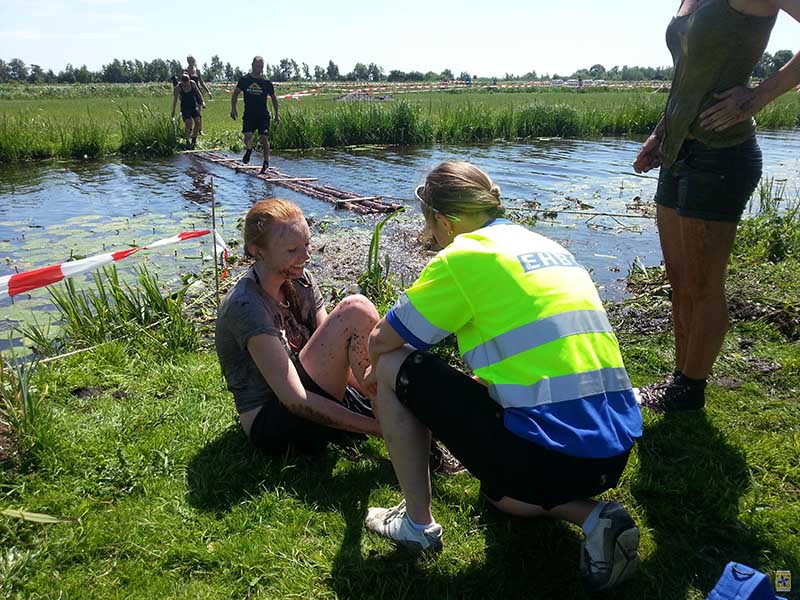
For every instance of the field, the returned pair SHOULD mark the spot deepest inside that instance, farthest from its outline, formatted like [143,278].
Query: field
[142,485]
[90,126]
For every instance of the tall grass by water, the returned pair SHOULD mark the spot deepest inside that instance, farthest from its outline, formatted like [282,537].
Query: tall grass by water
[113,309]
[404,122]
[146,132]
[141,132]
[90,127]
[23,138]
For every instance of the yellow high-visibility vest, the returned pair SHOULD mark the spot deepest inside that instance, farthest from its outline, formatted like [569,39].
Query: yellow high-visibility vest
[530,323]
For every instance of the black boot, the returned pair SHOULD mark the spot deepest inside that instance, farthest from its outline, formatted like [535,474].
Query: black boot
[264,167]
[246,157]
[675,394]
[441,461]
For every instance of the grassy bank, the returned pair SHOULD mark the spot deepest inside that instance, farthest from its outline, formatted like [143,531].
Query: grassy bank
[140,131]
[60,127]
[134,450]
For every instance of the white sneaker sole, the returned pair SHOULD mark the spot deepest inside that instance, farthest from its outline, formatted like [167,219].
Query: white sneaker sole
[626,557]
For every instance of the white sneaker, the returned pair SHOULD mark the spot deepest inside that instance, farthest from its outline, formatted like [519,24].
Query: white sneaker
[609,554]
[393,523]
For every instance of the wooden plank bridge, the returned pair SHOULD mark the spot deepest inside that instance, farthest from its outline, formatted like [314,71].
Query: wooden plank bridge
[305,185]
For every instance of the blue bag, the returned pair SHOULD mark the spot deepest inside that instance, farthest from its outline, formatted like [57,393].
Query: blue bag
[740,582]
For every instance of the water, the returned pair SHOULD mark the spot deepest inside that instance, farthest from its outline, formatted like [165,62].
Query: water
[51,211]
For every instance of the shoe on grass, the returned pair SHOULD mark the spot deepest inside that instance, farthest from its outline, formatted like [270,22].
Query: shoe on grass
[442,461]
[609,553]
[674,394]
[394,524]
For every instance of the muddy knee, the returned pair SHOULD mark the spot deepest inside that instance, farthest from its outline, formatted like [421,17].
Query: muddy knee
[359,306]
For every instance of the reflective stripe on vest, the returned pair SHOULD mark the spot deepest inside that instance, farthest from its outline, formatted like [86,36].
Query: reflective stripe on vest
[561,389]
[537,333]
[416,323]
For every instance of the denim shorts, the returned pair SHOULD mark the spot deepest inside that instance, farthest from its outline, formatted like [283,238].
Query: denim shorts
[713,184]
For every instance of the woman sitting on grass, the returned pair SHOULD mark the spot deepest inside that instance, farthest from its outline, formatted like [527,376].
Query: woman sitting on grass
[552,418]
[295,371]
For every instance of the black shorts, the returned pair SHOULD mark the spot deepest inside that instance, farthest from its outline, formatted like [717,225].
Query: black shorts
[713,184]
[190,113]
[259,123]
[460,413]
[275,429]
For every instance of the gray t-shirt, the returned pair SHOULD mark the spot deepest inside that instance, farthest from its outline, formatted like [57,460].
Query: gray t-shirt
[247,311]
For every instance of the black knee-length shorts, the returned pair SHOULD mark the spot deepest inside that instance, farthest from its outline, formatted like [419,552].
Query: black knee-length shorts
[460,413]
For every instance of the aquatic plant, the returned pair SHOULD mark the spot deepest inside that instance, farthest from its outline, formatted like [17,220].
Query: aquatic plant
[24,137]
[146,132]
[113,309]
[773,234]
[376,282]
[82,139]
[18,395]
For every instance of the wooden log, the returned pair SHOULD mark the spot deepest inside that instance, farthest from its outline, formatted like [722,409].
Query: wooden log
[356,199]
[303,185]
[197,151]
[278,179]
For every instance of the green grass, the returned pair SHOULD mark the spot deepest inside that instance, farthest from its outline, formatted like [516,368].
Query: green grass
[140,451]
[29,127]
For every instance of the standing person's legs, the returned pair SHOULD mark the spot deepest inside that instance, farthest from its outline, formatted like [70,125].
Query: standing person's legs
[196,130]
[187,128]
[265,148]
[707,247]
[701,198]
[675,261]
[339,346]
[248,146]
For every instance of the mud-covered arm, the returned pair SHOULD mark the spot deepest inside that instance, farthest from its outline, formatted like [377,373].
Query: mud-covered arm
[649,155]
[280,374]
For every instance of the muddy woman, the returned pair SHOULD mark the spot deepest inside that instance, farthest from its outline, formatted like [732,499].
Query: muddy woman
[710,165]
[296,372]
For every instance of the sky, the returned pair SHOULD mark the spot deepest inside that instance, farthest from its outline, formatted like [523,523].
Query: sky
[483,38]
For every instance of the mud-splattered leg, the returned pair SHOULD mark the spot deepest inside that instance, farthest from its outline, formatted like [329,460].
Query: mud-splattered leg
[339,346]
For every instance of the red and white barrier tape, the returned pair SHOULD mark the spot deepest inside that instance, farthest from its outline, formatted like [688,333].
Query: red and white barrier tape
[19,283]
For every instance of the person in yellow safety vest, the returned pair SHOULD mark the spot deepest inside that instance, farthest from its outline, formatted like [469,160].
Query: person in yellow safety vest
[549,418]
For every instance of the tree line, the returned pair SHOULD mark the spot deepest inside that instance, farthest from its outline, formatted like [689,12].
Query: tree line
[287,69]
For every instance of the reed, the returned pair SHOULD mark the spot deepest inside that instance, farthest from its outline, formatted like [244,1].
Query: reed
[376,282]
[113,309]
[18,396]
[63,127]
[145,132]
[773,233]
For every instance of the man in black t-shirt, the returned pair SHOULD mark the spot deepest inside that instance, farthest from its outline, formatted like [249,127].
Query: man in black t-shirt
[256,89]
